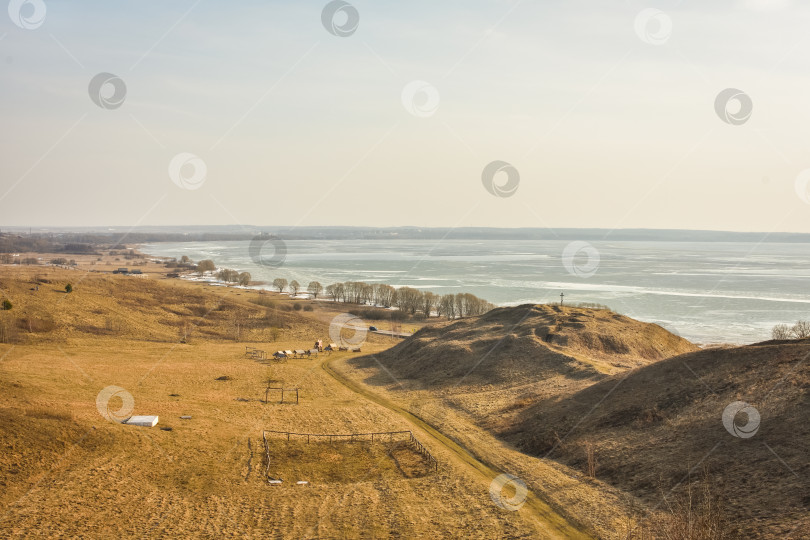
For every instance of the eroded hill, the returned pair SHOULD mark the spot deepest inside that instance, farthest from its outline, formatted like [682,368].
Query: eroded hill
[653,431]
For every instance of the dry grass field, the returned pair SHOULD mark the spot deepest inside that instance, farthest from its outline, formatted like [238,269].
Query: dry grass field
[65,470]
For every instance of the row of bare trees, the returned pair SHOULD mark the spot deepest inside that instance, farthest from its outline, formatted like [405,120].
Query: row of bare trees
[407,299]
[798,331]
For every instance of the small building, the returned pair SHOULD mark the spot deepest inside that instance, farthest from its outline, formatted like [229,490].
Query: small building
[143,421]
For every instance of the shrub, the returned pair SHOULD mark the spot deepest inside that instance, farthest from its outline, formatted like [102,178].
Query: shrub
[297,306]
[376,314]
[68,288]
[308,308]
[780,331]
[6,305]
[801,329]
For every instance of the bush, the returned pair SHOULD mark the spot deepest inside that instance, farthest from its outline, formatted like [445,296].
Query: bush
[780,331]
[297,306]
[800,330]
[308,308]
[68,288]
[376,314]
[6,305]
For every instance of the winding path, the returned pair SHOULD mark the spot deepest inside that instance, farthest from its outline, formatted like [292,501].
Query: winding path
[550,523]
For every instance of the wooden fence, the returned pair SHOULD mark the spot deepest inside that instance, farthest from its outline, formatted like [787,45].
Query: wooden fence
[255,354]
[380,436]
[282,389]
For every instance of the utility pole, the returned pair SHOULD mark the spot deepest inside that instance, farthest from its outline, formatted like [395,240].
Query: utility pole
[562,295]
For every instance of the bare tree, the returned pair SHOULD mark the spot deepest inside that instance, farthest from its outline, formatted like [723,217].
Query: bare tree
[206,266]
[781,331]
[244,278]
[801,329]
[280,284]
[409,299]
[294,286]
[447,306]
[429,301]
[314,288]
[384,295]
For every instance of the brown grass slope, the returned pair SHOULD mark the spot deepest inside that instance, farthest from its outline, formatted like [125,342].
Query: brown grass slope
[528,343]
[131,308]
[650,427]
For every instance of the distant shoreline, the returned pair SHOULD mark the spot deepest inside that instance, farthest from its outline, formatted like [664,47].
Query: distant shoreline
[223,233]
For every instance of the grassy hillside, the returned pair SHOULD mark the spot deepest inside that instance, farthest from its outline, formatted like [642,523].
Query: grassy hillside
[624,407]
[649,428]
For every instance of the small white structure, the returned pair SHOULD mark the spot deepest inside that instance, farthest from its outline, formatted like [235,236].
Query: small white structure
[144,421]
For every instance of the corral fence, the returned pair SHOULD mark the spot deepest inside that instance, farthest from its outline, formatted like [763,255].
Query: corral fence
[378,436]
[255,354]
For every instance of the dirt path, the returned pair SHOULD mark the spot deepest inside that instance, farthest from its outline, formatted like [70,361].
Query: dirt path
[549,522]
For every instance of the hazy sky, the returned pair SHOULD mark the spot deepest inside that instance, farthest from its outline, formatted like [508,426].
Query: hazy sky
[606,111]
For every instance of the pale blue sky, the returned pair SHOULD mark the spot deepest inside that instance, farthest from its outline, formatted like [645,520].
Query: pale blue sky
[300,127]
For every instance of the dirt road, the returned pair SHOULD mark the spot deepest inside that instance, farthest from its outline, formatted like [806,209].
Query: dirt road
[550,523]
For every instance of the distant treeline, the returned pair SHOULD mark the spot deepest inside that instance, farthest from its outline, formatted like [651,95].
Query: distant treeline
[12,243]
[95,236]
[80,243]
